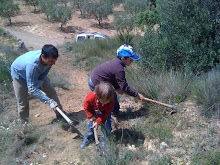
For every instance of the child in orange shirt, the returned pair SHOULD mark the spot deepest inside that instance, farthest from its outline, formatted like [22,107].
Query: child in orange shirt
[98,106]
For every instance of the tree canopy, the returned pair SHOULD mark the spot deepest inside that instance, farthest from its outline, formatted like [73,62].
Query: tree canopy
[8,9]
[188,36]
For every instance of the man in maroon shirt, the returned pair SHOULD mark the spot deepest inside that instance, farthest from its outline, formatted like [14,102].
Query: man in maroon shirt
[112,71]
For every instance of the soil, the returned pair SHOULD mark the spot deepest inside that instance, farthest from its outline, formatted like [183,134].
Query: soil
[56,145]
[34,30]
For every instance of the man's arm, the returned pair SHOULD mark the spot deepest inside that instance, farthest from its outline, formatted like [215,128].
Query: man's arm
[34,84]
[43,75]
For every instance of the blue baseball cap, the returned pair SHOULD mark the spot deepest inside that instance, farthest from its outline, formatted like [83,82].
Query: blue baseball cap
[127,51]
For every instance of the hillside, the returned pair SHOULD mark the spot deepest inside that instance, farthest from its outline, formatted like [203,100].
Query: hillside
[186,131]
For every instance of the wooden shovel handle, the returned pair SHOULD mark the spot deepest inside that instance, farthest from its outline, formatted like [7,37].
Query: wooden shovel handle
[157,102]
[69,121]
[64,116]
[96,135]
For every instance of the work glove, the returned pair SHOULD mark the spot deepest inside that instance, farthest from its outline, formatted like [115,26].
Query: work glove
[53,104]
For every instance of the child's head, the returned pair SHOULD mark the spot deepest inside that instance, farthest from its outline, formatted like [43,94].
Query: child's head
[104,92]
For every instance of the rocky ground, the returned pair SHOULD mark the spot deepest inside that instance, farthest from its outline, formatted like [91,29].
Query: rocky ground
[56,145]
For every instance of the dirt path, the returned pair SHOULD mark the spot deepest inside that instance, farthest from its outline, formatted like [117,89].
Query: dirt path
[35,31]
[33,41]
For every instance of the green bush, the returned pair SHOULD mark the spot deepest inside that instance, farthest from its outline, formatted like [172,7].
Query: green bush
[59,80]
[125,39]
[4,72]
[5,63]
[188,37]
[206,92]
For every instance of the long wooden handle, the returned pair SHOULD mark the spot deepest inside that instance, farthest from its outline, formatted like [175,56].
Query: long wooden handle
[96,135]
[64,116]
[157,102]
[74,129]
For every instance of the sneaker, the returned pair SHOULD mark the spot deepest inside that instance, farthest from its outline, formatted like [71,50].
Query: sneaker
[85,143]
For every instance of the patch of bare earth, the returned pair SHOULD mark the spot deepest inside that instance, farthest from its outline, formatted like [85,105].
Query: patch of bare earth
[58,146]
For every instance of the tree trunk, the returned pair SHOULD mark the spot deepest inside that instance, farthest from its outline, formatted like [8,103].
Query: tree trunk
[10,22]
[61,27]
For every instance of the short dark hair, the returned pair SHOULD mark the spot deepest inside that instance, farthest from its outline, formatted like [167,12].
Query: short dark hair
[104,90]
[50,51]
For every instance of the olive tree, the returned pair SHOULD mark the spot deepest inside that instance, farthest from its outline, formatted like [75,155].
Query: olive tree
[8,9]
[47,6]
[134,7]
[56,11]
[61,14]
[33,3]
[124,23]
[79,4]
[99,9]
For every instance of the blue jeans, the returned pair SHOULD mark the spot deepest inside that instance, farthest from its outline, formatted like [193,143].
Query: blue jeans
[89,135]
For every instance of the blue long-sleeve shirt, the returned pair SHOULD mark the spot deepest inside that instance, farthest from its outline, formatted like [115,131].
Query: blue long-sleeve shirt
[28,68]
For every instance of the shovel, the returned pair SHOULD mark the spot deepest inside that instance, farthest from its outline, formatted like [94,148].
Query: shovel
[70,122]
[157,102]
[96,135]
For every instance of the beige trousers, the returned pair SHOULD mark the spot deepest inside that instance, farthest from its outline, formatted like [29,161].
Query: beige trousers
[21,94]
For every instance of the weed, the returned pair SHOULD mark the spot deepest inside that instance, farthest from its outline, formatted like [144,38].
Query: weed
[116,155]
[89,54]
[207,158]
[170,87]
[206,92]
[160,131]
[179,154]
[59,80]
[161,160]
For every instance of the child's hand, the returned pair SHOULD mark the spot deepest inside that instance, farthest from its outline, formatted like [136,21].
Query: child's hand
[92,119]
[95,125]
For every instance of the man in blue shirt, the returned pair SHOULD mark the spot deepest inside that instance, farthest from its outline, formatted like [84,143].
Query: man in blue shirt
[29,73]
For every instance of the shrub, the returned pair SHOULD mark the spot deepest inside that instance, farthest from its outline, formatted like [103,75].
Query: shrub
[166,86]
[125,39]
[88,54]
[59,80]
[206,92]
[188,37]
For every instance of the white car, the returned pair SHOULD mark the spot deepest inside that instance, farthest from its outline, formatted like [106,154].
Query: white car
[88,35]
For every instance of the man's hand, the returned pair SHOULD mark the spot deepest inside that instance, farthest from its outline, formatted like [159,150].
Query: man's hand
[53,104]
[140,97]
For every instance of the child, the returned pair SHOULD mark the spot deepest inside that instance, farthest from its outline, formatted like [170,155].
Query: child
[98,106]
